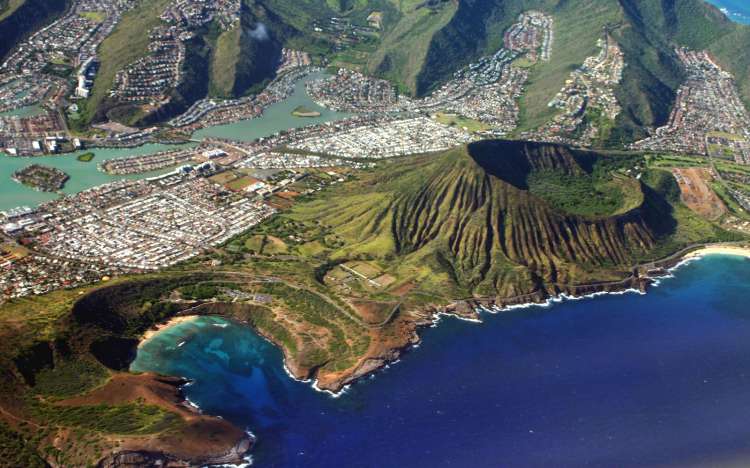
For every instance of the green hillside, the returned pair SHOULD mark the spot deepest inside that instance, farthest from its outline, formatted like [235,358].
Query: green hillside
[226,63]
[503,218]
[420,46]
[125,45]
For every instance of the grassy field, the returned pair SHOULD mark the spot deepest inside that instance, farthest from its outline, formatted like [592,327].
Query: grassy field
[95,16]
[224,61]
[673,160]
[458,121]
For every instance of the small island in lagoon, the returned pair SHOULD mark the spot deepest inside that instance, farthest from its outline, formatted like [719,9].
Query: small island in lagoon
[42,178]
[85,157]
[302,111]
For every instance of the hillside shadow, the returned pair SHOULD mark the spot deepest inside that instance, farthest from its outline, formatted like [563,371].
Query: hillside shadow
[514,161]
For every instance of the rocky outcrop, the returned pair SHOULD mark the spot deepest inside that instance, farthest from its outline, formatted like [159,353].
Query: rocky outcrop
[147,459]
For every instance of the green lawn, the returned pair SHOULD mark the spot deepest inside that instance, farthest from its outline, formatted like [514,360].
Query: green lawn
[95,16]
[458,121]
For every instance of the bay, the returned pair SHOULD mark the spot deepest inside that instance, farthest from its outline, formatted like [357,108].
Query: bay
[83,175]
[276,117]
[661,379]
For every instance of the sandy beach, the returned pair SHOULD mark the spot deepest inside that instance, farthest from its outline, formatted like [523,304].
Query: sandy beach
[151,332]
[721,250]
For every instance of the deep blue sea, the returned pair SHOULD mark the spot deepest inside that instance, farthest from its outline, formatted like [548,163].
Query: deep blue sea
[736,10]
[661,379]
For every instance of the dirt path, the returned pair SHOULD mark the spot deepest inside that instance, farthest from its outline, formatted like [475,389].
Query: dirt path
[19,419]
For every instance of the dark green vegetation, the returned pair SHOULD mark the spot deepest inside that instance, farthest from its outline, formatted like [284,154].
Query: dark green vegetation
[85,157]
[126,419]
[503,218]
[602,189]
[69,378]
[49,353]
[423,43]
[18,18]
[224,64]
[17,449]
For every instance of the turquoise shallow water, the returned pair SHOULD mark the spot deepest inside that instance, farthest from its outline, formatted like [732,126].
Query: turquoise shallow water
[276,118]
[85,175]
[620,380]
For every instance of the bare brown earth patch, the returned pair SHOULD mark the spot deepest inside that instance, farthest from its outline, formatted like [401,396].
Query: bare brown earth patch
[696,193]
[201,438]
[373,312]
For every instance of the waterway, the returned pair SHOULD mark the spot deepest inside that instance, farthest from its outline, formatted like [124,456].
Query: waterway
[276,118]
[736,10]
[661,379]
[84,175]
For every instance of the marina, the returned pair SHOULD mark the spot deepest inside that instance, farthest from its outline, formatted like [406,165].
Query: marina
[83,175]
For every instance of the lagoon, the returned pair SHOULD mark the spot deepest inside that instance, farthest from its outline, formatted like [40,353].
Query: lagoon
[84,175]
[661,379]
[276,117]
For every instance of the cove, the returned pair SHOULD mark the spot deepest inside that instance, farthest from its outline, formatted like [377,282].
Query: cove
[276,117]
[661,379]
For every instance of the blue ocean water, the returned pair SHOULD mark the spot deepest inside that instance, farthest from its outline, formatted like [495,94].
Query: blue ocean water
[736,10]
[661,379]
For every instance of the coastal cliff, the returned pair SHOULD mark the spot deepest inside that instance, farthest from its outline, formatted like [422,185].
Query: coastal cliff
[365,265]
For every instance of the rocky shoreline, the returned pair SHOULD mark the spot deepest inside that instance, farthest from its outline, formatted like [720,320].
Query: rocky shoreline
[640,279]
[189,447]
